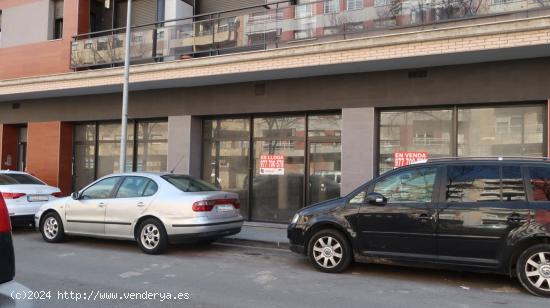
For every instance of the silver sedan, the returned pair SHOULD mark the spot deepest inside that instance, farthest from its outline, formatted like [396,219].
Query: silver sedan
[154,209]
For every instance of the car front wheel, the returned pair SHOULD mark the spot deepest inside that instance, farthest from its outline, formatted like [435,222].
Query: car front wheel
[533,269]
[52,228]
[152,238]
[329,251]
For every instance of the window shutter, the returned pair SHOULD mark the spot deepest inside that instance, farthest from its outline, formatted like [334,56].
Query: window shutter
[58,9]
[210,6]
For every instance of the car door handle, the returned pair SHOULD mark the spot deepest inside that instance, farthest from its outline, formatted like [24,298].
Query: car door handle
[516,218]
[424,217]
[140,204]
[102,204]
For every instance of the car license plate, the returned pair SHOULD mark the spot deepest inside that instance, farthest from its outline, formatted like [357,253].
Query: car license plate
[37,198]
[225,207]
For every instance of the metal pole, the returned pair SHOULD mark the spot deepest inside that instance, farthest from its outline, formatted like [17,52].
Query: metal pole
[124,126]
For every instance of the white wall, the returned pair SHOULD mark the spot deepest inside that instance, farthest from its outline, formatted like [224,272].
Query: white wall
[175,9]
[25,24]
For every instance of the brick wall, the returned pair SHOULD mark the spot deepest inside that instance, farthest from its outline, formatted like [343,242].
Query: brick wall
[48,57]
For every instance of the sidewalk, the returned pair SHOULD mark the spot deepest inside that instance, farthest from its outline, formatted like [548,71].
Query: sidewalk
[260,234]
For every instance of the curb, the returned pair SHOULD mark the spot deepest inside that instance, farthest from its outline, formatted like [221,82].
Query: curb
[254,243]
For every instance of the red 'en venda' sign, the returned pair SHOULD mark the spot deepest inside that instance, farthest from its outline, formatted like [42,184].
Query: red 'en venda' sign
[272,164]
[401,159]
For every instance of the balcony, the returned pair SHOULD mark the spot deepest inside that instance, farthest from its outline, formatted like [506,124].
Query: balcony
[286,26]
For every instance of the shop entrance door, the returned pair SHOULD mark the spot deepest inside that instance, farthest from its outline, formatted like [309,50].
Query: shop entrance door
[324,177]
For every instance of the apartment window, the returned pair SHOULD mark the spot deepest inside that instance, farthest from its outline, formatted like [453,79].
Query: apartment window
[304,9]
[497,2]
[303,34]
[354,4]
[381,2]
[58,19]
[354,27]
[331,31]
[0,27]
[331,6]
[305,29]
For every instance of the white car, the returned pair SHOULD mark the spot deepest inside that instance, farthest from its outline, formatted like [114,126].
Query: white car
[154,209]
[24,194]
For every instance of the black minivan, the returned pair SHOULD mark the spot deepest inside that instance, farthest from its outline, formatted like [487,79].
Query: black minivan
[483,214]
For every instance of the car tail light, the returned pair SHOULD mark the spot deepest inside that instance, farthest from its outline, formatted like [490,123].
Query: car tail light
[208,205]
[57,194]
[9,195]
[5,224]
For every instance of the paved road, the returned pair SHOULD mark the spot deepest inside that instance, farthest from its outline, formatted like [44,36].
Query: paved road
[221,275]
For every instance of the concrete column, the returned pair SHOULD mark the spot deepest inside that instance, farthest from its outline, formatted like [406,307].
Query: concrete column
[358,147]
[184,145]
[49,153]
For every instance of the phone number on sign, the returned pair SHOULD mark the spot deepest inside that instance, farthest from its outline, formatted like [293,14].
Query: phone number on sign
[94,295]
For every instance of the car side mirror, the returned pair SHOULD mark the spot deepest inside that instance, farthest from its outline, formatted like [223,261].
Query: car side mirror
[75,195]
[376,199]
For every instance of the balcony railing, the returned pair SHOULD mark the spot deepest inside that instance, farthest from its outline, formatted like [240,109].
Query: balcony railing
[284,25]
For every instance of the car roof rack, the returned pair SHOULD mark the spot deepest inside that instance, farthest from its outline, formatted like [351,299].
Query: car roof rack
[534,158]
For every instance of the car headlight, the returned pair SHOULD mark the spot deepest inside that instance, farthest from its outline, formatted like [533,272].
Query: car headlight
[295,218]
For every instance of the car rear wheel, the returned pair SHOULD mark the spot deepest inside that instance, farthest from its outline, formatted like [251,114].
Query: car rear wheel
[533,269]
[152,238]
[329,251]
[52,228]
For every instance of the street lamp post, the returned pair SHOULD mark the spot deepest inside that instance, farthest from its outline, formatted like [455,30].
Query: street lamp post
[124,126]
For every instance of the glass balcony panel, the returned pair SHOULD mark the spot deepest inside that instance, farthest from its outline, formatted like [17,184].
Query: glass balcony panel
[307,22]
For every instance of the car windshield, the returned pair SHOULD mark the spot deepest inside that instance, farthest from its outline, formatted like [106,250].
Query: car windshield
[18,178]
[188,184]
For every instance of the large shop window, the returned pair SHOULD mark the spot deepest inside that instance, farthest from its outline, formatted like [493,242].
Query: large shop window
[414,134]
[280,154]
[97,149]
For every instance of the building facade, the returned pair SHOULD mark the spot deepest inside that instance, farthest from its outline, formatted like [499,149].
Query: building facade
[285,103]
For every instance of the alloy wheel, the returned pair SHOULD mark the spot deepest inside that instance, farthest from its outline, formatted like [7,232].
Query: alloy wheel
[150,236]
[537,270]
[51,228]
[327,252]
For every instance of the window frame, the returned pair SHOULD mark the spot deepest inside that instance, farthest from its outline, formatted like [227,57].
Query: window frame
[355,7]
[331,7]
[446,181]
[369,186]
[500,164]
[149,180]
[111,194]
[436,184]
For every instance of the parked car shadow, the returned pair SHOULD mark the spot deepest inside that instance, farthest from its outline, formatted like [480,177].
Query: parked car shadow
[461,280]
